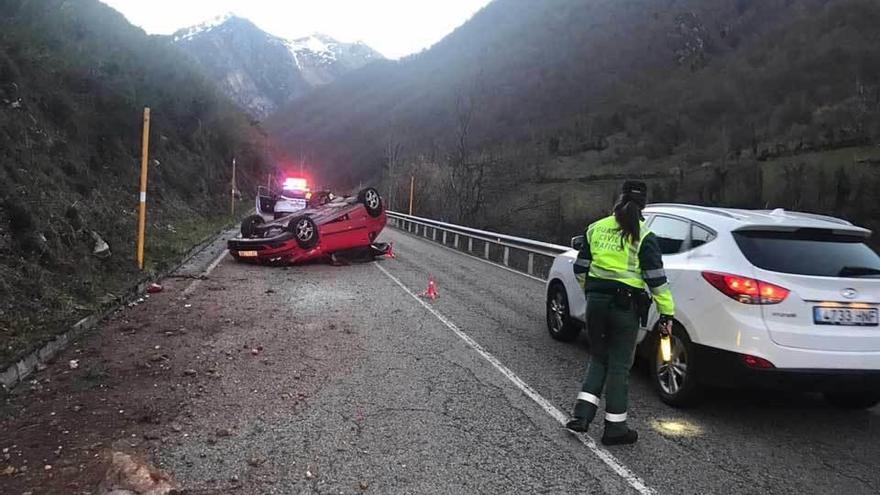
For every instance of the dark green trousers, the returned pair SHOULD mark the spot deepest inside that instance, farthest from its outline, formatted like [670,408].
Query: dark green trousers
[612,332]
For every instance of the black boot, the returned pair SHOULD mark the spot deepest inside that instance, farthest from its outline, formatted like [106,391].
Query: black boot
[630,437]
[579,425]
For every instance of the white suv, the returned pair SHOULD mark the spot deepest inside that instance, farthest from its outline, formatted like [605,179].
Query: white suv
[763,298]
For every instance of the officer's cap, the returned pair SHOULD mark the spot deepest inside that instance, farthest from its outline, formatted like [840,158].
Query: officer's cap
[636,190]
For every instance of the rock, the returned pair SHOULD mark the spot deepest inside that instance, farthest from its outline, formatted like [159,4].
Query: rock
[256,461]
[190,372]
[363,485]
[222,433]
[129,475]
[154,288]
[101,249]
[158,357]
[73,364]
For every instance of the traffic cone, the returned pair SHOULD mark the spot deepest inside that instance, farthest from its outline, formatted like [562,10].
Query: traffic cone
[390,252]
[431,292]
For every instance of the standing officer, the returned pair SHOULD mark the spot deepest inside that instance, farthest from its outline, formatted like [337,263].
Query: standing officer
[620,258]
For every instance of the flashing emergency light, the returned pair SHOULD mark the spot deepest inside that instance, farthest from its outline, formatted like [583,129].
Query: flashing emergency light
[666,348]
[295,184]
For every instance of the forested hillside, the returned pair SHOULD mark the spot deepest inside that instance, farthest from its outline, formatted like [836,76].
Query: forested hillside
[74,78]
[544,106]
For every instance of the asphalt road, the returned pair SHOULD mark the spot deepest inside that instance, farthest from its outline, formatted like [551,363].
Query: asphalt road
[323,379]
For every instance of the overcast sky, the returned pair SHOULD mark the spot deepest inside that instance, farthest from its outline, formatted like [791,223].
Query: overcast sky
[393,27]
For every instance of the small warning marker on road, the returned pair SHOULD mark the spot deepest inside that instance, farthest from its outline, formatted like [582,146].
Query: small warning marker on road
[431,292]
[390,252]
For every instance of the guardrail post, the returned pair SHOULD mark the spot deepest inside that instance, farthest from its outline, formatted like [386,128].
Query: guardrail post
[444,237]
[531,268]
[506,256]
[470,244]
[434,234]
[455,242]
[486,249]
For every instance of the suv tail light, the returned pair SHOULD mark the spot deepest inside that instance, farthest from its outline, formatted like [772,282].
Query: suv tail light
[746,290]
[757,363]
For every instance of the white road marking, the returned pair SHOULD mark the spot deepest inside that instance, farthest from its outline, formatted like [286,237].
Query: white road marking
[631,478]
[195,283]
[471,256]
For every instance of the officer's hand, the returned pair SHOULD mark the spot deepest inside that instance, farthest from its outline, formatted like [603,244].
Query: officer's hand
[665,325]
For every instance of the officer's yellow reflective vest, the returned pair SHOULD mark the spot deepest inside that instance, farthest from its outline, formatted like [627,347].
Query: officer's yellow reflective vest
[607,256]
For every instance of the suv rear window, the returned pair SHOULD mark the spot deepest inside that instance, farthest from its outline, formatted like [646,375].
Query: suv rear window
[809,252]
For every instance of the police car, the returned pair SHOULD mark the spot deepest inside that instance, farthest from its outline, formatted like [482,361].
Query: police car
[776,299]
[294,197]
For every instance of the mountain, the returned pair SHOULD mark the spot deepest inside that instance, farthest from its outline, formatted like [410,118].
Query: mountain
[74,79]
[261,72]
[543,107]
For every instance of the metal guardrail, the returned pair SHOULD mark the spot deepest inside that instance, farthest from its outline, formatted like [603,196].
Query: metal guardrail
[531,257]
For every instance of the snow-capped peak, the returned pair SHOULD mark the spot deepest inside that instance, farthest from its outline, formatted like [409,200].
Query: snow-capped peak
[190,32]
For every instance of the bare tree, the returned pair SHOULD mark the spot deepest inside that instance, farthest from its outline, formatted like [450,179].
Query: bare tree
[392,163]
[467,168]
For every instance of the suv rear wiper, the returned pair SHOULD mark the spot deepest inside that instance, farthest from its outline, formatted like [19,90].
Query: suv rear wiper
[857,271]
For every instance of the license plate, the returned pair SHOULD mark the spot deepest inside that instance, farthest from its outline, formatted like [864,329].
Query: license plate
[854,317]
[247,254]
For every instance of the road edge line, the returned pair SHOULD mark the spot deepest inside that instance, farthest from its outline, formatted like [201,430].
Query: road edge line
[195,283]
[618,467]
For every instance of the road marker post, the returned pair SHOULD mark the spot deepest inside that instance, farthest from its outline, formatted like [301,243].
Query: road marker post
[412,184]
[142,212]
[232,194]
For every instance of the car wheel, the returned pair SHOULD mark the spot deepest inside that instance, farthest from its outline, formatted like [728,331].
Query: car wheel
[249,226]
[559,321]
[305,231]
[371,200]
[853,400]
[676,381]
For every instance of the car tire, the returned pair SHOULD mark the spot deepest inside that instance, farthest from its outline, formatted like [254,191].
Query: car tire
[249,226]
[853,400]
[371,200]
[305,231]
[560,324]
[676,383]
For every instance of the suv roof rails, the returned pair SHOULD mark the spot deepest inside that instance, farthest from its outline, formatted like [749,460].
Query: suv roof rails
[704,209]
[814,216]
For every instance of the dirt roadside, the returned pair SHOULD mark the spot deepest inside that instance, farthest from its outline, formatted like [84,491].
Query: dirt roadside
[172,369]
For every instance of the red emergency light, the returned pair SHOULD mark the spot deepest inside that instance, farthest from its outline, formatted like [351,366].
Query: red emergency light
[295,184]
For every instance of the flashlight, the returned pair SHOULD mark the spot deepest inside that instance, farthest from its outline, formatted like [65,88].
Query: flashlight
[666,348]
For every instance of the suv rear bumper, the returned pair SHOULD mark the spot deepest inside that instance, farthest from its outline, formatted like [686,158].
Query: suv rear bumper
[726,369]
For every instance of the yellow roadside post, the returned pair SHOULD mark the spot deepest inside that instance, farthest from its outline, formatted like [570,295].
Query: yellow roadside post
[412,184]
[142,213]
[232,196]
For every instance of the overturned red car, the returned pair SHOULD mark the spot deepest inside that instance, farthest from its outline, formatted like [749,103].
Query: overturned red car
[328,226]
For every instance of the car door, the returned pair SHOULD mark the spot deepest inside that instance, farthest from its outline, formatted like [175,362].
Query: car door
[674,236]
